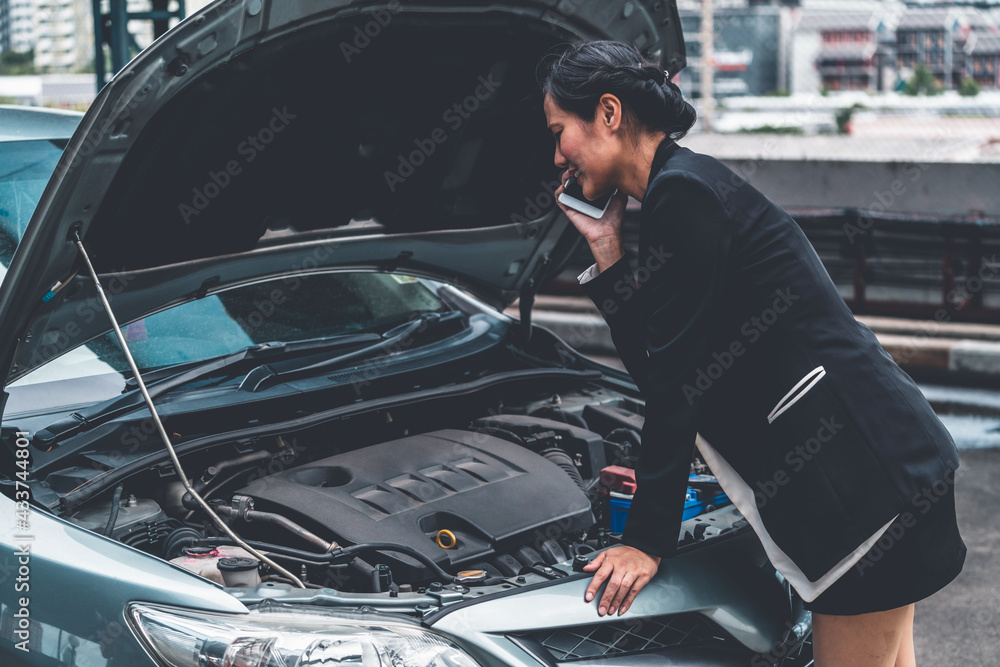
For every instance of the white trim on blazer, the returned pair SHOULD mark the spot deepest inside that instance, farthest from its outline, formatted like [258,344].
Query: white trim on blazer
[742,497]
[816,374]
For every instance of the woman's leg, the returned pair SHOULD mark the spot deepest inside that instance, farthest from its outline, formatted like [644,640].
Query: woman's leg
[863,640]
[907,657]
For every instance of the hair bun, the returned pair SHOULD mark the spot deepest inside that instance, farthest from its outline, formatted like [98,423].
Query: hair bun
[577,77]
[655,73]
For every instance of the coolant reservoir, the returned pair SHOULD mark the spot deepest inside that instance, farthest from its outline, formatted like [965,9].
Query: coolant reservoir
[204,561]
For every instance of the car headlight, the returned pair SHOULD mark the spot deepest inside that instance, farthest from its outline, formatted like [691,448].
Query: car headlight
[281,635]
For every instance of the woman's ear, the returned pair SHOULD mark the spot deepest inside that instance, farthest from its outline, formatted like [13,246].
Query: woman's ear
[609,112]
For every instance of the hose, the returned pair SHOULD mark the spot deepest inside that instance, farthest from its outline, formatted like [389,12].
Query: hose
[399,548]
[628,442]
[208,492]
[276,550]
[311,558]
[110,528]
[213,472]
[279,520]
[564,461]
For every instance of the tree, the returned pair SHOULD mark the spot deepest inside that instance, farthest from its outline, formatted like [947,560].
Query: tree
[969,87]
[13,63]
[922,82]
[843,117]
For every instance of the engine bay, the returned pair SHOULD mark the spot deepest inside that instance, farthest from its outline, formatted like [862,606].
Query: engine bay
[460,497]
[402,499]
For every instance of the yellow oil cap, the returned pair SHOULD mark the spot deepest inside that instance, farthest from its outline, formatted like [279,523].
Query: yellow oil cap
[445,539]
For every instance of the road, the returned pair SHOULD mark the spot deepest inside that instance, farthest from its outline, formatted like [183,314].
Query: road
[960,625]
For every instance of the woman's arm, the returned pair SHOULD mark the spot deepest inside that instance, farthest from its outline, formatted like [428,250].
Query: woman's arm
[613,289]
[686,224]
[615,293]
[684,221]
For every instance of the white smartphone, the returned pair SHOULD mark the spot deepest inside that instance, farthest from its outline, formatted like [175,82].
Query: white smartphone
[572,197]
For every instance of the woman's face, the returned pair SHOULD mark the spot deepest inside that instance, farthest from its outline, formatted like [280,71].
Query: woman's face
[584,149]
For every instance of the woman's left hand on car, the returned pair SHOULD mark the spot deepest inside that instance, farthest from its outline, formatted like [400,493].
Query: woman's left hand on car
[627,570]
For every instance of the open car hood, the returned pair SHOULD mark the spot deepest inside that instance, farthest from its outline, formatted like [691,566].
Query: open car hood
[262,137]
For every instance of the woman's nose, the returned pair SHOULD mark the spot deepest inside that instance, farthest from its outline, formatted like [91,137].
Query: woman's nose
[560,159]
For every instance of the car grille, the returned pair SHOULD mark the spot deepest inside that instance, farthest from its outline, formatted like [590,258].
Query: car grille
[623,637]
[689,631]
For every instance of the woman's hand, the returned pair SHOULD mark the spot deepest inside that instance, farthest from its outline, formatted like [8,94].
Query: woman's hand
[603,235]
[627,570]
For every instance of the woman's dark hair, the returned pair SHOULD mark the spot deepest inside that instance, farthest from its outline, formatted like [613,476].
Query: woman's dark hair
[578,76]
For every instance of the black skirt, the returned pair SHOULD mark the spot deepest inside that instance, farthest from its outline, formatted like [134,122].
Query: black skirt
[920,553]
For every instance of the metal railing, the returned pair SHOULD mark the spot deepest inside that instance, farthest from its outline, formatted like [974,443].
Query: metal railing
[894,265]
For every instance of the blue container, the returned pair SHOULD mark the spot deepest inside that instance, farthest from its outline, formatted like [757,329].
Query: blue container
[692,506]
[621,502]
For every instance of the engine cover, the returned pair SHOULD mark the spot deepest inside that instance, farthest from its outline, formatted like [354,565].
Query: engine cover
[492,494]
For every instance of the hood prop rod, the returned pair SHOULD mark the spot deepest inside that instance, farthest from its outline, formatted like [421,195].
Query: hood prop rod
[163,432]
[527,297]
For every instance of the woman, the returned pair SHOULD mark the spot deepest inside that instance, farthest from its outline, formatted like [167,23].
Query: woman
[732,329]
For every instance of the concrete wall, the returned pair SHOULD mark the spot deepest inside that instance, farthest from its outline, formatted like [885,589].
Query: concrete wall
[937,189]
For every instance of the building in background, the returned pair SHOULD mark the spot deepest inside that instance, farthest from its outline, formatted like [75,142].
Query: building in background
[63,35]
[21,25]
[982,59]
[876,46]
[4,25]
[17,25]
[59,32]
[751,49]
[936,38]
[761,47]
[842,50]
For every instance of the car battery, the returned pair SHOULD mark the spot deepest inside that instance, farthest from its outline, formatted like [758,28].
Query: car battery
[620,482]
[621,502]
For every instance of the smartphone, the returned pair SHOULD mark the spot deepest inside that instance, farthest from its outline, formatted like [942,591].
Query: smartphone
[572,197]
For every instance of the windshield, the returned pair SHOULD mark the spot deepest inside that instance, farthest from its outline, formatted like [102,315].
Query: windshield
[288,309]
[25,168]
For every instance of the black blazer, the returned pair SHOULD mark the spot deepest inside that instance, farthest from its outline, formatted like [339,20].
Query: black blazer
[730,309]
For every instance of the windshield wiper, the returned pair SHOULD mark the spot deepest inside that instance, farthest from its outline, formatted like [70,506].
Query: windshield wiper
[93,415]
[265,374]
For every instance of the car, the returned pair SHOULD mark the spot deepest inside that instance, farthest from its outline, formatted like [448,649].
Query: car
[263,406]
